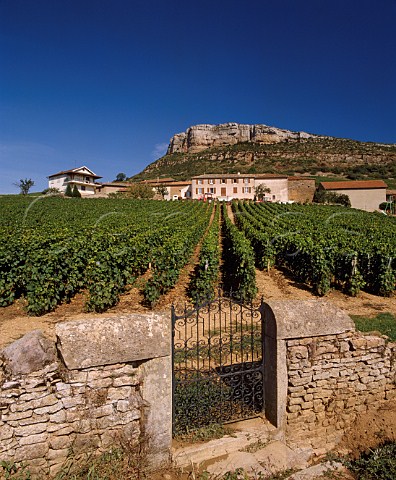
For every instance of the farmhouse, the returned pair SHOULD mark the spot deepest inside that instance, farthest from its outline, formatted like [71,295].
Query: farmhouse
[363,194]
[242,186]
[82,177]
[104,189]
[177,190]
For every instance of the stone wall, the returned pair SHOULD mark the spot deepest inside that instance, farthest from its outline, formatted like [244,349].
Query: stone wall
[301,189]
[334,378]
[106,381]
[321,373]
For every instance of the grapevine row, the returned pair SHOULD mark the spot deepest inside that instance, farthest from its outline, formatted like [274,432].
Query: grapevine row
[203,285]
[323,246]
[239,268]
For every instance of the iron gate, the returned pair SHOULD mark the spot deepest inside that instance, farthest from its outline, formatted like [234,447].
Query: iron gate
[218,365]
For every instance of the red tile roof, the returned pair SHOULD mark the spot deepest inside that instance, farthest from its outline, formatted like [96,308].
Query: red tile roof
[354,184]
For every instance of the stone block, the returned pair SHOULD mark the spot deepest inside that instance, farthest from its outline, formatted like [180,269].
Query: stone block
[125,381]
[304,318]
[30,452]
[60,442]
[29,354]
[84,343]
[58,455]
[33,439]
[58,417]
[28,430]
[48,410]
[14,417]
[6,432]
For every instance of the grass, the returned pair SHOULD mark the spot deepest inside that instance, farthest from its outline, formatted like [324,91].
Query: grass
[384,323]
[206,433]
[377,464]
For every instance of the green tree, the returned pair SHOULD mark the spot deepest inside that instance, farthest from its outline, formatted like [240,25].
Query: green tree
[76,193]
[260,191]
[69,191]
[121,177]
[321,196]
[161,190]
[140,190]
[24,185]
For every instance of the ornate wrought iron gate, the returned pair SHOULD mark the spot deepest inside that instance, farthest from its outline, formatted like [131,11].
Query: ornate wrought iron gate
[218,365]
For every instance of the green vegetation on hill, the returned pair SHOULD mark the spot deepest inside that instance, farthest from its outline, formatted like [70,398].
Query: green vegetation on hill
[337,157]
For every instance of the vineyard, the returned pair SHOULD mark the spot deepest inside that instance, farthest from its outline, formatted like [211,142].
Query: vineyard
[52,248]
[323,246]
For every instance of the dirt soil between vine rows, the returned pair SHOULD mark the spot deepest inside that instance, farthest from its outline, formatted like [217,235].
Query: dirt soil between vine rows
[273,285]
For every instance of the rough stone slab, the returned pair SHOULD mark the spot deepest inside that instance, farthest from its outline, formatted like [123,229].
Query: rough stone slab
[29,354]
[106,341]
[304,318]
[277,456]
[243,460]
[316,471]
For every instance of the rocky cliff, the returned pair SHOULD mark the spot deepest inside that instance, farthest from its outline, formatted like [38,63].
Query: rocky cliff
[233,148]
[200,137]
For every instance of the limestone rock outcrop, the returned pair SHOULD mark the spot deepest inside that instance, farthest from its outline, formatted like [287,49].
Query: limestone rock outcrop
[200,137]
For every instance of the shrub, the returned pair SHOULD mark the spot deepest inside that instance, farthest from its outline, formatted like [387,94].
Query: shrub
[377,464]
[76,193]
[69,191]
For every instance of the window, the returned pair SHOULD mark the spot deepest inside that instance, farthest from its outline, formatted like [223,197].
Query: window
[246,180]
[82,187]
[199,191]
[235,190]
[223,180]
[87,179]
[273,197]
[235,180]
[211,181]
[211,190]
[199,181]
[247,189]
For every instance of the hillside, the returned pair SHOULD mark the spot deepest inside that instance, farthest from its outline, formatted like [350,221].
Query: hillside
[218,149]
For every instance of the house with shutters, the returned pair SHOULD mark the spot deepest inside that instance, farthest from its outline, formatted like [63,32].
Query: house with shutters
[239,186]
[82,177]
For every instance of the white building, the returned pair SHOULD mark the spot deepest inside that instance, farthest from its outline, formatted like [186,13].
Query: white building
[82,177]
[239,186]
[363,194]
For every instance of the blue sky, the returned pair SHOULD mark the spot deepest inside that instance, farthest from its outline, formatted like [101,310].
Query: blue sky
[106,83]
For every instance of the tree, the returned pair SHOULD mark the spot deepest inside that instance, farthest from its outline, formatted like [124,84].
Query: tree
[260,191]
[24,185]
[121,177]
[140,190]
[76,193]
[321,196]
[69,191]
[161,190]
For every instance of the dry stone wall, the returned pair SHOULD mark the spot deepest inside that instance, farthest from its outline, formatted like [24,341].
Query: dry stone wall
[334,378]
[320,373]
[53,406]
